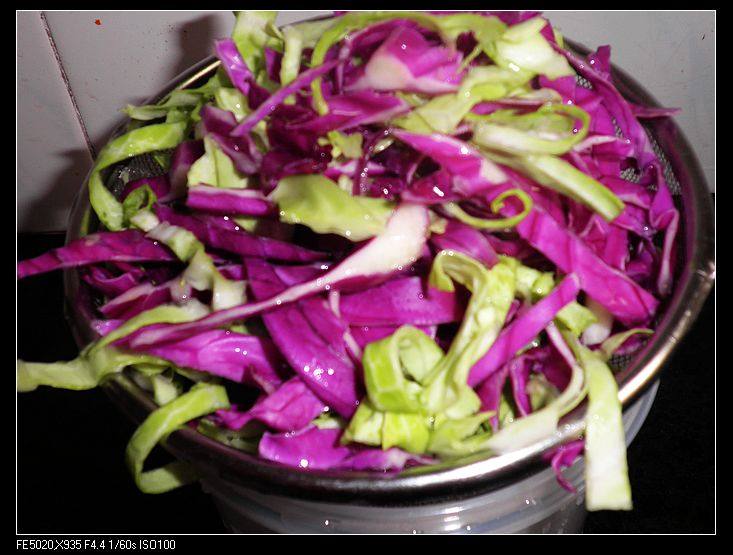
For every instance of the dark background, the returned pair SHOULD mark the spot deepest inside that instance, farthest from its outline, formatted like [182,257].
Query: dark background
[70,445]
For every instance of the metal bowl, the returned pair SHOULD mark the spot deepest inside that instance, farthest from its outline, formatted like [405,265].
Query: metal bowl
[472,475]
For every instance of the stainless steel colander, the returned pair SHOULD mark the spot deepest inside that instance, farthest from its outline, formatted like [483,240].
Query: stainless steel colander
[694,277]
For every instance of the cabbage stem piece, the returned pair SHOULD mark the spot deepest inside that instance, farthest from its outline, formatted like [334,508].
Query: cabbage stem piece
[454,210]
[319,203]
[606,469]
[200,400]
[151,138]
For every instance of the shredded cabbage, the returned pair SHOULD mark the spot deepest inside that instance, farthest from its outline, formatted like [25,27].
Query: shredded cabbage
[408,233]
